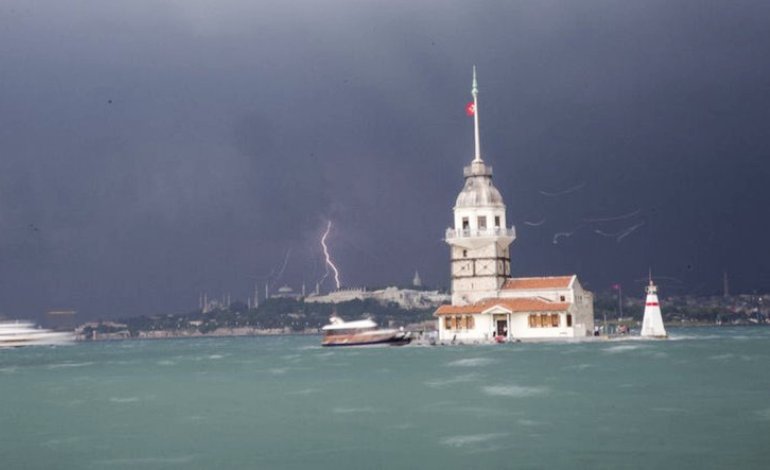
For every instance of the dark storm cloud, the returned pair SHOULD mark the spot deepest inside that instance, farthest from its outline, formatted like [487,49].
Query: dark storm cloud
[151,150]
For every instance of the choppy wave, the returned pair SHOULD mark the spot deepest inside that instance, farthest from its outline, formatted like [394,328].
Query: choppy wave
[622,348]
[529,422]
[61,442]
[470,439]
[668,409]
[144,461]
[438,383]
[124,399]
[304,391]
[722,357]
[351,410]
[516,391]
[471,362]
[69,364]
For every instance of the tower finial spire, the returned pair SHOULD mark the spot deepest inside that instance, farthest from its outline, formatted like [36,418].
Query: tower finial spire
[475,93]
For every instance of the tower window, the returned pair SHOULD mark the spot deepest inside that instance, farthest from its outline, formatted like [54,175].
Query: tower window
[466,224]
[482,222]
[497,221]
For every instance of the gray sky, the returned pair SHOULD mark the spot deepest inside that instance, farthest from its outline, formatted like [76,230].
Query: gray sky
[153,150]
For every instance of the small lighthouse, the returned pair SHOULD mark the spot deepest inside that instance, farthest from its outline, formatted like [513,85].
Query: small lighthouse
[652,324]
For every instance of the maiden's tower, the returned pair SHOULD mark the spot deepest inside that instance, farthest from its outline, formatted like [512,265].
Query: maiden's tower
[487,303]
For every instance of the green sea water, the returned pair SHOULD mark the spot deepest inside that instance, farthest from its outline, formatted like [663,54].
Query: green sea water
[699,400]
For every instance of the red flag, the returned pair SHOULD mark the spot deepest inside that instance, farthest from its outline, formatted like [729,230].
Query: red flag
[470,109]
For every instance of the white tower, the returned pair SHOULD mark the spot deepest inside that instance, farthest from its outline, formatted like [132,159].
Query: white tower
[480,238]
[652,324]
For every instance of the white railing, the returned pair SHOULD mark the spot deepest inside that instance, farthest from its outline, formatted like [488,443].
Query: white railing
[452,233]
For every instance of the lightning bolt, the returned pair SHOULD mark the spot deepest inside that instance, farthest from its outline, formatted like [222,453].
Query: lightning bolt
[329,262]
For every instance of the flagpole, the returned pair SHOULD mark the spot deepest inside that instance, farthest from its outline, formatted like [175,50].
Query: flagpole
[475,93]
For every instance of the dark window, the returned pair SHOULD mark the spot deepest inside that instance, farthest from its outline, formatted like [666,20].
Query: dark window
[497,221]
[569,319]
[482,222]
[466,224]
[465,253]
[562,298]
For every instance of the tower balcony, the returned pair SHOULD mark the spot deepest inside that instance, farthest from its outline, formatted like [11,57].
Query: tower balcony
[471,238]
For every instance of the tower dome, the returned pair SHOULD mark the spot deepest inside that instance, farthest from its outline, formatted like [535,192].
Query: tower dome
[478,190]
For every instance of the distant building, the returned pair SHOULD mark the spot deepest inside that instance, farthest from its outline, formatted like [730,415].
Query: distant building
[405,298]
[286,292]
[207,305]
[486,302]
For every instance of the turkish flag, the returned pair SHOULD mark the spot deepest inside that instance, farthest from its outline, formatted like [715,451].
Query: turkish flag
[470,109]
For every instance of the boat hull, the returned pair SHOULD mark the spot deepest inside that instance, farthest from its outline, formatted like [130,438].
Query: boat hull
[366,340]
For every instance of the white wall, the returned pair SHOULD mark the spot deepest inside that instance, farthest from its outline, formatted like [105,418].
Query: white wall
[482,330]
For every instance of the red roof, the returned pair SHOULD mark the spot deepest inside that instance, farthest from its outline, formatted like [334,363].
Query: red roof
[524,283]
[524,304]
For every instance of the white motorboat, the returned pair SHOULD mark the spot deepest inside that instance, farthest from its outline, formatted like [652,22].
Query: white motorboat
[361,333]
[22,333]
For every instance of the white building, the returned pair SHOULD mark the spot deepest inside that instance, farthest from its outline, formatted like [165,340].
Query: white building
[486,301]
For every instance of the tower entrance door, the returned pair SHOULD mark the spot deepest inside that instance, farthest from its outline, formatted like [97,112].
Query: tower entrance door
[501,325]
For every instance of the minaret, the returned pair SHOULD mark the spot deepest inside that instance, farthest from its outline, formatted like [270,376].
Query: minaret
[256,295]
[725,285]
[480,238]
[652,324]
[416,281]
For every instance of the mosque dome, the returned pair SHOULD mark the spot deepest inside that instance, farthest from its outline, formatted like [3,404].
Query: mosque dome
[479,192]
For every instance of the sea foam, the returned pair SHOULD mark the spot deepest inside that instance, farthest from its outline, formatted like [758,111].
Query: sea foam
[470,439]
[471,362]
[515,391]
[622,348]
